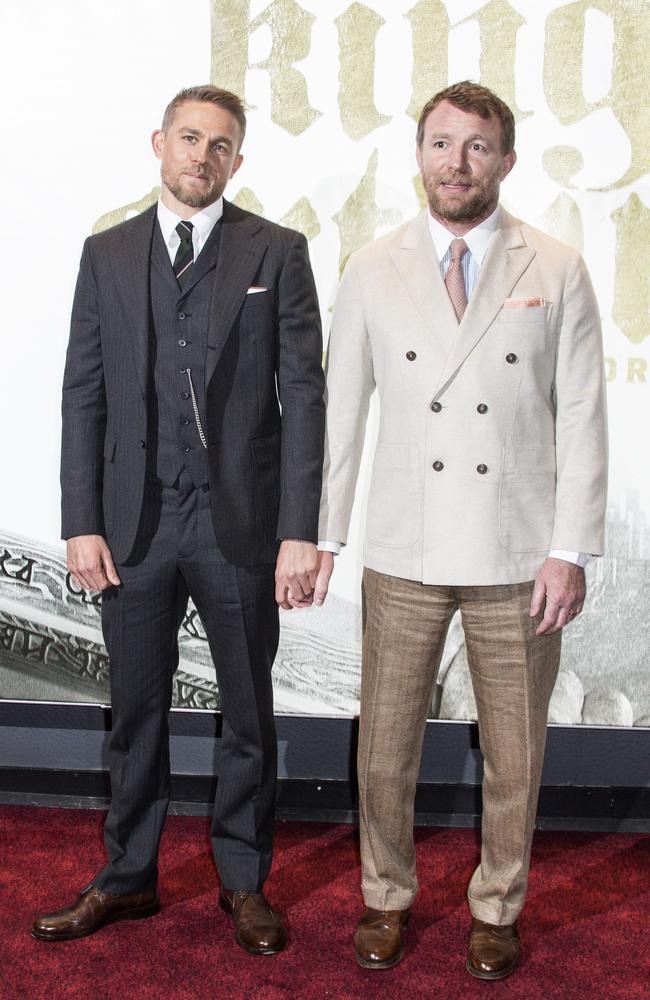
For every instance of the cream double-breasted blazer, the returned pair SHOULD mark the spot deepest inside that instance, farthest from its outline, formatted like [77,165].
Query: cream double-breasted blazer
[492,436]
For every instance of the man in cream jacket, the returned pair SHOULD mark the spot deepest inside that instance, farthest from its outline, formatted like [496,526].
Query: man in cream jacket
[482,337]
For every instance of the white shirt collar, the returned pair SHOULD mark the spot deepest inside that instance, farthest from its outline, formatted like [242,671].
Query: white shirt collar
[203,223]
[477,239]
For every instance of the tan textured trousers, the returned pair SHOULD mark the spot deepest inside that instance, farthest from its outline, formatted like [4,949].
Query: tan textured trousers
[513,673]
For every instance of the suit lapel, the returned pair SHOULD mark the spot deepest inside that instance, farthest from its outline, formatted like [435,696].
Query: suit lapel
[241,249]
[131,274]
[506,260]
[418,266]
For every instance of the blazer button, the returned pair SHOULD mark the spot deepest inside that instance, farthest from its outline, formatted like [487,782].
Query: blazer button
[142,444]
[411,355]
[481,469]
[511,358]
[482,408]
[438,466]
[436,407]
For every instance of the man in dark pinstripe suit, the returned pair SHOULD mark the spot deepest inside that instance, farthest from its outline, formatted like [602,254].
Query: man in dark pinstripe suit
[192,450]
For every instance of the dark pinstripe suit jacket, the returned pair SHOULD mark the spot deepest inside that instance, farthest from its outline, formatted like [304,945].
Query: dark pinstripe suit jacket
[264,389]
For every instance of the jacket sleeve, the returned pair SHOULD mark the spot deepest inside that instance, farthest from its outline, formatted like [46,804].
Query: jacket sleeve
[581,420]
[300,383]
[83,412]
[350,384]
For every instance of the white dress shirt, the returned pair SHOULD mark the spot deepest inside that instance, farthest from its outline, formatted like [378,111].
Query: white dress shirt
[203,222]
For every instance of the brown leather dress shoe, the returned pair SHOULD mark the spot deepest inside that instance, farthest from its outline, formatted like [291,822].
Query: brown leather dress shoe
[493,951]
[257,926]
[92,910]
[379,938]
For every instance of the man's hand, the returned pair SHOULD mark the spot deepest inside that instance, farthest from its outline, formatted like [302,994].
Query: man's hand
[91,563]
[295,574]
[325,570]
[560,590]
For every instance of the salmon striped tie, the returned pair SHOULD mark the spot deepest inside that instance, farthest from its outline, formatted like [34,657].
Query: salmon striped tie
[185,254]
[455,279]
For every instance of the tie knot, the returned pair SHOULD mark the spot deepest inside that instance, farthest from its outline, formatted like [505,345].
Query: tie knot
[458,249]
[184,230]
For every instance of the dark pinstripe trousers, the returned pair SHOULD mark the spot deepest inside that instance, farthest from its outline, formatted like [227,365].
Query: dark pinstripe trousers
[176,556]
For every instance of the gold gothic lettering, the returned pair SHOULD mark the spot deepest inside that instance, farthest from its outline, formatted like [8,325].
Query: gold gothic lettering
[430,27]
[229,29]
[126,211]
[563,220]
[357,28]
[610,369]
[629,95]
[636,370]
[290,43]
[302,217]
[631,309]
[359,216]
[498,26]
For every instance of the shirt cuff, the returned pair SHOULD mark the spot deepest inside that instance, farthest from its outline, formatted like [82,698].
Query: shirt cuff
[579,558]
[334,547]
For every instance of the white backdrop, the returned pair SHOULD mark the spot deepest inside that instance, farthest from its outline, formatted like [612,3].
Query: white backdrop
[330,149]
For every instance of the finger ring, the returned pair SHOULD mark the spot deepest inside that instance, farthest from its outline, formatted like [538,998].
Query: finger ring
[572,614]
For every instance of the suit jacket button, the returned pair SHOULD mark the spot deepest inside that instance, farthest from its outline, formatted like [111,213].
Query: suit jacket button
[411,355]
[511,358]
[438,466]
[482,408]
[436,407]
[142,444]
[481,469]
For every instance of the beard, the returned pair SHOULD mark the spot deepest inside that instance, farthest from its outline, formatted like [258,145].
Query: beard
[478,202]
[191,195]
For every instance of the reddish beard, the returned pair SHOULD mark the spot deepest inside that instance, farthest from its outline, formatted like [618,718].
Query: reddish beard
[479,204]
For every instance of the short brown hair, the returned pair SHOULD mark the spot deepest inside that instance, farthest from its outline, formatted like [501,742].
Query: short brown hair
[212,95]
[483,102]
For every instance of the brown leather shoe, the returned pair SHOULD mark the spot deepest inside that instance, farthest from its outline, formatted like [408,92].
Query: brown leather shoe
[379,938]
[92,910]
[257,926]
[493,951]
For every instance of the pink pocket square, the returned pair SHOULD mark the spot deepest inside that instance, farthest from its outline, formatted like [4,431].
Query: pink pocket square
[525,303]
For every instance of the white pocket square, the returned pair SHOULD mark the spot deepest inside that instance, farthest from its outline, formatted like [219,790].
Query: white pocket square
[254,289]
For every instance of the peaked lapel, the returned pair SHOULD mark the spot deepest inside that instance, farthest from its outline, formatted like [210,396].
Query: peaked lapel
[131,273]
[241,249]
[160,259]
[415,259]
[506,260]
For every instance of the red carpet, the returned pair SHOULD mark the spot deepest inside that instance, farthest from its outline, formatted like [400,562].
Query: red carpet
[584,930]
